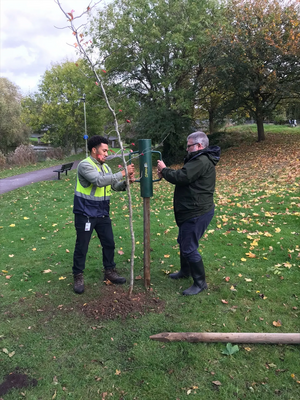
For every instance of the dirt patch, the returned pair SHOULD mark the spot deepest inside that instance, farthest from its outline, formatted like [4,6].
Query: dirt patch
[115,303]
[16,380]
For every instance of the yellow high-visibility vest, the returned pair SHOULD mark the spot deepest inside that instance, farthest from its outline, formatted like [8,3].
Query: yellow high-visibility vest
[94,192]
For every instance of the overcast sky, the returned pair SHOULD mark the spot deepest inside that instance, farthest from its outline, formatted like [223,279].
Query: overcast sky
[30,43]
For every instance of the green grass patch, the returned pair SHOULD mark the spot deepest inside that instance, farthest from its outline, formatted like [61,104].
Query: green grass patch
[239,135]
[251,251]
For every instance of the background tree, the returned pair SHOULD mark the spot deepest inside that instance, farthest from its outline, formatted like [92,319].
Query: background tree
[152,49]
[257,56]
[58,109]
[12,130]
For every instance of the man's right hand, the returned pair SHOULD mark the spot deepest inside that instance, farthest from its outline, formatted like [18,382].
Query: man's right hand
[130,170]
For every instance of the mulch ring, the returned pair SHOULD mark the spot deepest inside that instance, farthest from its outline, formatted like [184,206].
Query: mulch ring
[115,303]
[16,380]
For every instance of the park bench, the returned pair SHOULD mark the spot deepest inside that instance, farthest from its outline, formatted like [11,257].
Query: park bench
[64,168]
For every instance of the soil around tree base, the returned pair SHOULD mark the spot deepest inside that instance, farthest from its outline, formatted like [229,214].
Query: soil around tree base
[16,380]
[115,303]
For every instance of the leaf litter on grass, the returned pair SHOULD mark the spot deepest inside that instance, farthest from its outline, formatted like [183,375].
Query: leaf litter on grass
[257,192]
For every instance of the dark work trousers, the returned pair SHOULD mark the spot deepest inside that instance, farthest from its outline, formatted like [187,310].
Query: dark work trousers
[190,232]
[105,234]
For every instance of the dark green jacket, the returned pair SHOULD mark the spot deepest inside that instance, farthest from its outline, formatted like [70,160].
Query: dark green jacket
[194,184]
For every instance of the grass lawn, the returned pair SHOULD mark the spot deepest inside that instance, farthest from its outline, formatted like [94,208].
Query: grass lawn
[251,251]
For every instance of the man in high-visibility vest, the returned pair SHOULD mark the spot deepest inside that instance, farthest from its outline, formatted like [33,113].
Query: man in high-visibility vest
[91,208]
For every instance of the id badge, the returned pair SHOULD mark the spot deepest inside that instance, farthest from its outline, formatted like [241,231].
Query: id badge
[87,226]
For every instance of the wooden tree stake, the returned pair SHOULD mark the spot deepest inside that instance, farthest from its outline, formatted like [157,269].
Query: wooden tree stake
[232,337]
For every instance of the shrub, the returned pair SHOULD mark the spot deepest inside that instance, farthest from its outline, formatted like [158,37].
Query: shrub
[2,160]
[56,153]
[23,155]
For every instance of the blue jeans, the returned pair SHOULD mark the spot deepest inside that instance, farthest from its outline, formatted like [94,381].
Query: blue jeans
[190,232]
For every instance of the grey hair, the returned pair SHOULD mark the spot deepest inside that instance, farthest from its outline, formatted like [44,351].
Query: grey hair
[199,137]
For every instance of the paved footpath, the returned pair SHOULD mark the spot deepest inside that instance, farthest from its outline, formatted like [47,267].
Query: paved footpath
[46,174]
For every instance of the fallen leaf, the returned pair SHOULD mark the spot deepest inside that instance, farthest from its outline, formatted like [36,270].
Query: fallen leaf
[277,230]
[138,277]
[217,383]
[11,255]
[4,271]
[46,271]
[247,348]
[224,301]
[26,218]
[277,323]
[8,276]
[34,249]
[120,252]
[61,278]
[267,234]
[243,259]
[166,255]
[67,251]
[118,372]
[227,279]
[250,255]
[248,280]
[12,225]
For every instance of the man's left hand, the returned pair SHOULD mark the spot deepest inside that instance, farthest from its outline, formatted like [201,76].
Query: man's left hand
[160,166]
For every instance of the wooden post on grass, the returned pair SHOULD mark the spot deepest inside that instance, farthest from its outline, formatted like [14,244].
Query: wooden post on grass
[234,337]
[147,242]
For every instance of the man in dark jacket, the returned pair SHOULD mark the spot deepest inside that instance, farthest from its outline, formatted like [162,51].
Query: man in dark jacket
[91,208]
[193,204]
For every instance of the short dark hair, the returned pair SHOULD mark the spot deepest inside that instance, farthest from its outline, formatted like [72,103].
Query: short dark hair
[95,141]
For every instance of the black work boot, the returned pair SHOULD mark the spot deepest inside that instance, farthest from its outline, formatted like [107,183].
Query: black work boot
[184,269]
[78,283]
[198,274]
[112,275]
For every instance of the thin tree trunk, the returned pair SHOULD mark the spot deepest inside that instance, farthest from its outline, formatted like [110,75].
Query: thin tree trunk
[260,128]
[99,83]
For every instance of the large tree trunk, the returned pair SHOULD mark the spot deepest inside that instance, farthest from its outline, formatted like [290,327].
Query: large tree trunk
[260,128]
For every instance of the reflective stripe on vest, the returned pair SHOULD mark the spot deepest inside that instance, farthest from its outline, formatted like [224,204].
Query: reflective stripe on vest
[94,192]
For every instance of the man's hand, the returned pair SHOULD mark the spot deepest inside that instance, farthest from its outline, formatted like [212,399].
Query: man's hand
[131,178]
[160,166]
[130,170]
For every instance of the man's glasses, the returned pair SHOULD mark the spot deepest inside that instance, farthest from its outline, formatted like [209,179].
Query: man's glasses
[190,145]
